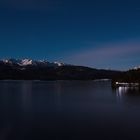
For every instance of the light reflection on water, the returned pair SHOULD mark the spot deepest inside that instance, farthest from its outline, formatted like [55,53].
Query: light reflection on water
[68,110]
[127,91]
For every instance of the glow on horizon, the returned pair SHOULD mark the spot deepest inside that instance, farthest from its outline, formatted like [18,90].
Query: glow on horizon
[110,55]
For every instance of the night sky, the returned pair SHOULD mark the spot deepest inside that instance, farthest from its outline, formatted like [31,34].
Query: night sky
[95,33]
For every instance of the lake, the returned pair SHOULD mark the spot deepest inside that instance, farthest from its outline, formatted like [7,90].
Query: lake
[69,110]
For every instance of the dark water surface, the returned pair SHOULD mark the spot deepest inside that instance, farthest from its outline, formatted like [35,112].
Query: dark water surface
[69,110]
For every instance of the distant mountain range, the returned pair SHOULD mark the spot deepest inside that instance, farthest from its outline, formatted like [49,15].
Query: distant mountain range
[27,69]
[30,62]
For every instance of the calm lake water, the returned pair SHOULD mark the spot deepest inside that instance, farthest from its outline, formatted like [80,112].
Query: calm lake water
[69,110]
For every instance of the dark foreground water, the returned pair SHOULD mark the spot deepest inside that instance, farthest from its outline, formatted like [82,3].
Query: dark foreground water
[69,110]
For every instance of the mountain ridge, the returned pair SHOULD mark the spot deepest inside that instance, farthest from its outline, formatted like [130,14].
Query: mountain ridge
[28,69]
[26,62]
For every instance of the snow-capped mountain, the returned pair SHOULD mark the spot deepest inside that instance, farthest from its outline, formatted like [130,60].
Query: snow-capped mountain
[28,69]
[136,68]
[27,62]
[10,61]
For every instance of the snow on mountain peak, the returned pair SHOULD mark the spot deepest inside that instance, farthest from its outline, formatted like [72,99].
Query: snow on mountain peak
[5,60]
[25,62]
[136,68]
[59,63]
[11,61]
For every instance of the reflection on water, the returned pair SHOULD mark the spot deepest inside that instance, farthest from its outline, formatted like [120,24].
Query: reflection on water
[127,91]
[71,110]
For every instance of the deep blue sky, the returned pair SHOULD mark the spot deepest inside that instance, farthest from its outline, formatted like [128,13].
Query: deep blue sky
[96,33]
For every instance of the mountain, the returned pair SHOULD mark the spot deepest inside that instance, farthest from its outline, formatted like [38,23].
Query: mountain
[136,68]
[27,69]
[27,62]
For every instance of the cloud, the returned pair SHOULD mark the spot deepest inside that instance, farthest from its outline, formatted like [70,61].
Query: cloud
[110,55]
